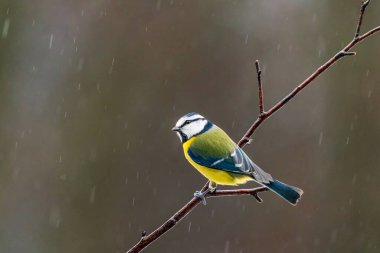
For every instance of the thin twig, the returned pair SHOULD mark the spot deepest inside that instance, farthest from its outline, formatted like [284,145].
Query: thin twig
[365,3]
[186,209]
[260,86]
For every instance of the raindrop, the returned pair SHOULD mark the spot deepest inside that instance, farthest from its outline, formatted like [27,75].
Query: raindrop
[369,93]
[354,179]
[92,194]
[158,6]
[111,68]
[93,154]
[314,18]
[333,235]
[246,38]
[189,227]
[6,25]
[320,138]
[51,41]
[55,217]
[126,180]
[319,52]
[348,140]
[227,247]
[63,177]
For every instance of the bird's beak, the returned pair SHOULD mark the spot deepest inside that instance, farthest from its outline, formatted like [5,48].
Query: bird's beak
[175,129]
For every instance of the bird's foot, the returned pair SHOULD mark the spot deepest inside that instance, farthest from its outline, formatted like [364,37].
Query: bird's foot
[201,195]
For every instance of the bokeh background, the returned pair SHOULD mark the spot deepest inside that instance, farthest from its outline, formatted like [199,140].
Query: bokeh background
[89,91]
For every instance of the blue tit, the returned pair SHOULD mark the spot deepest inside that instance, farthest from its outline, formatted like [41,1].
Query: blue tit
[218,158]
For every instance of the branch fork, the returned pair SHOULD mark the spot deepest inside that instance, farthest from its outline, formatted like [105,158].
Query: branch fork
[246,139]
[345,53]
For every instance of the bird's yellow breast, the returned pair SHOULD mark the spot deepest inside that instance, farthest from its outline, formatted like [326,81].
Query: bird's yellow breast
[218,176]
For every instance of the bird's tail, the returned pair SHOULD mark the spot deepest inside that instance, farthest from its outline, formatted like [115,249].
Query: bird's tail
[289,193]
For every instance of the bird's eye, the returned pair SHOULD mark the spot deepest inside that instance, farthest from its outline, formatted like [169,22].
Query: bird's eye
[187,122]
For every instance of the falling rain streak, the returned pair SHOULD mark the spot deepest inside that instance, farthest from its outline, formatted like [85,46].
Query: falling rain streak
[6,25]
[93,194]
[51,41]
[320,138]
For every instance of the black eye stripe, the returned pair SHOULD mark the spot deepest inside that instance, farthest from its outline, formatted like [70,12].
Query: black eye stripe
[189,121]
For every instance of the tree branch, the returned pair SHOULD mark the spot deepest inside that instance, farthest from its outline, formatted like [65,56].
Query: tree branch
[263,115]
[186,209]
[341,54]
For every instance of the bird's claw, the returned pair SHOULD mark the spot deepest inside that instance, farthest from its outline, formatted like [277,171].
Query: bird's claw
[201,196]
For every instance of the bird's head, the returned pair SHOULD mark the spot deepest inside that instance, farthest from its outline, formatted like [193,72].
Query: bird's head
[190,125]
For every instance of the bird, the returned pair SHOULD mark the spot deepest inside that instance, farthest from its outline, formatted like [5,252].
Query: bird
[218,158]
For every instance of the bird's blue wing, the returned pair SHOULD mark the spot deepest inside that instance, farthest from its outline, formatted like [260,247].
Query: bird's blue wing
[236,162]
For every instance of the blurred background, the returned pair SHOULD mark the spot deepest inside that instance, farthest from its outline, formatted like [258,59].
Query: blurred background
[89,91]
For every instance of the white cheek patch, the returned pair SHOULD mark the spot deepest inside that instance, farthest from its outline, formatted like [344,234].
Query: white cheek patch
[194,128]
